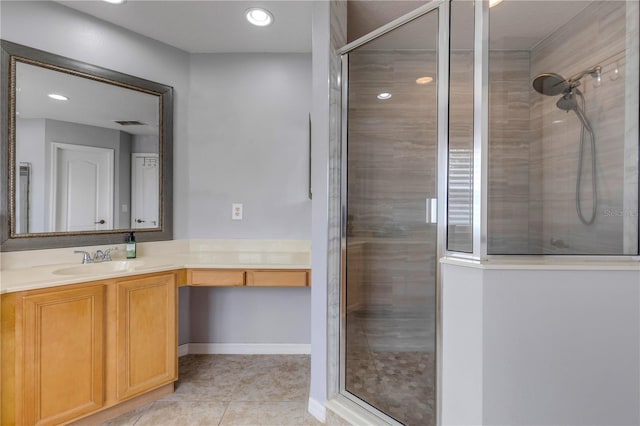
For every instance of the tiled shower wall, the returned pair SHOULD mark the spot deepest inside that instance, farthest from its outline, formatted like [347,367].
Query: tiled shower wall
[391,172]
[534,146]
[508,207]
[594,37]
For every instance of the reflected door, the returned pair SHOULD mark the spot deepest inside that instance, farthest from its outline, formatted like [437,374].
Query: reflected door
[390,275]
[82,188]
[144,191]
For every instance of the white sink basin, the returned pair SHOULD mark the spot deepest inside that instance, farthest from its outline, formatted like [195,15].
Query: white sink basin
[100,268]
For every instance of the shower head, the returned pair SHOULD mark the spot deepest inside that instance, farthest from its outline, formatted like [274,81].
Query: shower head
[569,102]
[551,84]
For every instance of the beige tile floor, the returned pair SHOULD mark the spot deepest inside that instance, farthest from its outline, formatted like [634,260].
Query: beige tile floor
[232,390]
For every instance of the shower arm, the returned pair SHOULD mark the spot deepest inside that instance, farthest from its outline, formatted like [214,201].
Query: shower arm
[595,72]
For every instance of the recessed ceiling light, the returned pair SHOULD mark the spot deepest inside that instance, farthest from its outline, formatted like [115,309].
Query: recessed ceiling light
[115,1]
[384,96]
[424,80]
[58,97]
[258,16]
[494,2]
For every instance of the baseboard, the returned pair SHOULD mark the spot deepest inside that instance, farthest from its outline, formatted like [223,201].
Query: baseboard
[248,348]
[317,410]
[183,350]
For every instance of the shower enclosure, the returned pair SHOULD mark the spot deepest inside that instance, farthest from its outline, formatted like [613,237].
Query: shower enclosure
[390,194]
[475,131]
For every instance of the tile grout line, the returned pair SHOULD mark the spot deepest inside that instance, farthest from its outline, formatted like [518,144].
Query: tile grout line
[224,413]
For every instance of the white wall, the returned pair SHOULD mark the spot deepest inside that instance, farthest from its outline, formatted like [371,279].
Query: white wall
[248,132]
[329,33]
[32,150]
[557,346]
[249,315]
[320,39]
[461,346]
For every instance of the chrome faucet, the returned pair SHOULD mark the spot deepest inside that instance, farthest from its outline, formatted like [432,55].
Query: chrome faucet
[106,255]
[86,257]
[99,256]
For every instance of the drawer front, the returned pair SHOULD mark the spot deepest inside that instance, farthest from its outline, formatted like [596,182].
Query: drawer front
[278,278]
[225,278]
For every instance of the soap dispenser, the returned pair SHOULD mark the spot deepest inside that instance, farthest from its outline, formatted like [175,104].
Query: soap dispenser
[131,246]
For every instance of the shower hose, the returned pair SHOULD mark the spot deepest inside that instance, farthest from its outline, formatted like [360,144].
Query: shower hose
[594,204]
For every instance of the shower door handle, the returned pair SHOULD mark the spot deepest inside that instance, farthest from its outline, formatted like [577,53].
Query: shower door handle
[431,211]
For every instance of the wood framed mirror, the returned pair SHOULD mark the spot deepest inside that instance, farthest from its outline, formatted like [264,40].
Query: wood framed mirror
[86,153]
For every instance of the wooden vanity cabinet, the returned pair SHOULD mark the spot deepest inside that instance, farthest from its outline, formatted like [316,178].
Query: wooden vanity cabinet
[248,277]
[59,355]
[146,337]
[74,350]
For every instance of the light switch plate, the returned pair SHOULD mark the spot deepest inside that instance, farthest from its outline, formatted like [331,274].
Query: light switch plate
[236,211]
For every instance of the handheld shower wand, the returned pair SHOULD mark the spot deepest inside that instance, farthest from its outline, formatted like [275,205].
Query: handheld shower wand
[552,84]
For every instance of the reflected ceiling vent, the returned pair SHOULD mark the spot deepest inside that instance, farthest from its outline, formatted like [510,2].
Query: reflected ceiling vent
[130,122]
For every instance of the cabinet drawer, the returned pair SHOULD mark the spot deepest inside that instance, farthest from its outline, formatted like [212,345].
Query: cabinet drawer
[204,277]
[278,278]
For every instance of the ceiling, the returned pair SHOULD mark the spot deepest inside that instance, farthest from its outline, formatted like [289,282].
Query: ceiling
[90,102]
[219,26]
[209,26]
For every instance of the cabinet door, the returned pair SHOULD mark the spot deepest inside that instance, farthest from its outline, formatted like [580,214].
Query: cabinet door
[63,354]
[145,334]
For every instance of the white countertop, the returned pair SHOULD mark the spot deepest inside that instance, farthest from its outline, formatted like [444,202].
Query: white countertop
[224,256]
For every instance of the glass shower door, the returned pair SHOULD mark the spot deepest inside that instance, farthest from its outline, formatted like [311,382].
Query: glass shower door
[389,275]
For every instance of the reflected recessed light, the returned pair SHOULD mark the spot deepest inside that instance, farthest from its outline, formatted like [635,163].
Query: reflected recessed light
[494,2]
[115,1]
[58,97]
[384,96]
[258,16]
[424,80]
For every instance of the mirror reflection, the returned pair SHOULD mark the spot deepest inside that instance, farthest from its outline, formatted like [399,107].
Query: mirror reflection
[86,154]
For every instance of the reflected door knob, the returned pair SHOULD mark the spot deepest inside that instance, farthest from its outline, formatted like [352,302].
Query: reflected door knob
[100,222]
[140,221]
